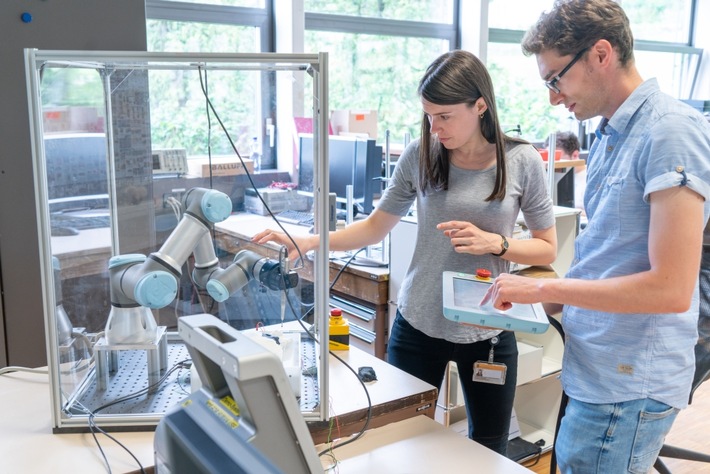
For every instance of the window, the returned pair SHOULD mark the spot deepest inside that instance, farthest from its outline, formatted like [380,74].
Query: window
[663,49]
[434,11]
[214,26]
[378,52]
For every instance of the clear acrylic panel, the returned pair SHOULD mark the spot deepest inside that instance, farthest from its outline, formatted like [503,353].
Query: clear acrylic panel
[123,142]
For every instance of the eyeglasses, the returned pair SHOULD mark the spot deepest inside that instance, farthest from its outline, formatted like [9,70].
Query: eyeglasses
[552,83]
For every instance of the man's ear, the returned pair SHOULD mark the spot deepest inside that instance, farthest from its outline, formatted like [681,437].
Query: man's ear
[603,52]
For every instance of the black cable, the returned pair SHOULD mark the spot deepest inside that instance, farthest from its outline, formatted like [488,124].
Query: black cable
[246,171]
[312,336]
[369,411]
[251,181]
[563,401]
[94,428]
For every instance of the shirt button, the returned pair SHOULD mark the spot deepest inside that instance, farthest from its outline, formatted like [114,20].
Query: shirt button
[609,148]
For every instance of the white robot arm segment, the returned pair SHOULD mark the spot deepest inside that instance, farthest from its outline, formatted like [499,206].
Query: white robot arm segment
[139,283]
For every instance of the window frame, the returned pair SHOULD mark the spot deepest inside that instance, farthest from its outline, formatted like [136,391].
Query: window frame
[261,18]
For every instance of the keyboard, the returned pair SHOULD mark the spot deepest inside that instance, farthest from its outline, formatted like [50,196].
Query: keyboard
[296,217]
[60,222]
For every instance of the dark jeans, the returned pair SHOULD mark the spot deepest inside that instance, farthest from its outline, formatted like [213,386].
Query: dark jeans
[489,407]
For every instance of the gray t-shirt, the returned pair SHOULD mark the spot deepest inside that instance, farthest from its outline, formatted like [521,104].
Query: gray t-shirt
[420,297]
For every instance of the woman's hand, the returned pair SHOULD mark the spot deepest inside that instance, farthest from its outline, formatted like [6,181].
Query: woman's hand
[467,238]
[270,235]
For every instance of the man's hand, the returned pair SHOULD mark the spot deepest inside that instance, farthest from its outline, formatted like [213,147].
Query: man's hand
[508,289]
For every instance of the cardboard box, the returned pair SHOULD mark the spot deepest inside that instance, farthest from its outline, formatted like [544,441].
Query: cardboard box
[354,122]
[278,200]
[220,165]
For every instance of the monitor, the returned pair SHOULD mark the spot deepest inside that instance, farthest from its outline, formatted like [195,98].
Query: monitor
[352,161]
[76,169]
[244,418]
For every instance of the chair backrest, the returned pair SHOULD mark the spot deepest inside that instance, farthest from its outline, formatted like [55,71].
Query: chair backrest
[702,348]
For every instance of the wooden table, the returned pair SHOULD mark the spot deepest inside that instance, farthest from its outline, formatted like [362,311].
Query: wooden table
[366,286]
[86,253]
[394,396]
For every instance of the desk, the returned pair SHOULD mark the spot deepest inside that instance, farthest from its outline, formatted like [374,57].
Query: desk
[564,164]
[564,179]
[418,445]
[28,444]
[415,445]
[364,285]
[395,396]
[84,254]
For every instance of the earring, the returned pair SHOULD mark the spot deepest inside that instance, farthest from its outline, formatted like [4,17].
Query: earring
[481,116]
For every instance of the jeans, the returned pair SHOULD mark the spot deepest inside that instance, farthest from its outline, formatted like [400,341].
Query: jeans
[612,438]
[489,407]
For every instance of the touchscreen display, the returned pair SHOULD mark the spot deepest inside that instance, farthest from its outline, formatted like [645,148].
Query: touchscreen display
[469,293]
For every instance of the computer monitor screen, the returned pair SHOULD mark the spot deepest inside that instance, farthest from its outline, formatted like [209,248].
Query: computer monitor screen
[352,161]
[76,167]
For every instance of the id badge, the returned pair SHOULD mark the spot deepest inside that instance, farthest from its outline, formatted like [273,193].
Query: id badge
[489,372]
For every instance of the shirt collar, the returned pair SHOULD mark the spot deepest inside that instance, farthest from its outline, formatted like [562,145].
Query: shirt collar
[621,118]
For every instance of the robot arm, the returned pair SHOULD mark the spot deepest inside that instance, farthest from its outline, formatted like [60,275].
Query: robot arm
[245,266]
[139,282]
[153,281]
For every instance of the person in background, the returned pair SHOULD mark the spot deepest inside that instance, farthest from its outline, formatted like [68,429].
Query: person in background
[469,181]
[569,144]
[630,299]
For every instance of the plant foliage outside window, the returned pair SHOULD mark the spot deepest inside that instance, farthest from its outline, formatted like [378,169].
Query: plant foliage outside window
[377,73]
[180,120]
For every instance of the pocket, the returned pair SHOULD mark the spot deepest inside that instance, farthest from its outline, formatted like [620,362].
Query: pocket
[608,206]
[654,424]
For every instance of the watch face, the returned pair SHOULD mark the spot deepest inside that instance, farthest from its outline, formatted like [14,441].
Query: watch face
[504,244]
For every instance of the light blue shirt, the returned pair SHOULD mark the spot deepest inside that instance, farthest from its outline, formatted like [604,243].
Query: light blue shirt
[652,142]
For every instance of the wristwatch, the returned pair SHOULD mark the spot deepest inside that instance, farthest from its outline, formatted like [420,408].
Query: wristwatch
[503,247]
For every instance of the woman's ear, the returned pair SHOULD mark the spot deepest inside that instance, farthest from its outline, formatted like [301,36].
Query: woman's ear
[481,106]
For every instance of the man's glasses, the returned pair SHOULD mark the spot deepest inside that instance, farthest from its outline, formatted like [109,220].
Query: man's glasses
[552,83]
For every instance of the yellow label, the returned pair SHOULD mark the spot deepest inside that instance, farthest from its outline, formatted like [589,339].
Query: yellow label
[222,414]
[230,404]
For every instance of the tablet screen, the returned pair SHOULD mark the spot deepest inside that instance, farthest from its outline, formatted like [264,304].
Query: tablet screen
[469,293]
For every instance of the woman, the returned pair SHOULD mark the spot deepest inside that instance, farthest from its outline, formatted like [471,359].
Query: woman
[469,181]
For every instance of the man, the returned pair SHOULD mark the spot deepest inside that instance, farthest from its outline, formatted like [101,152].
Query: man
[569,144]
[630,298]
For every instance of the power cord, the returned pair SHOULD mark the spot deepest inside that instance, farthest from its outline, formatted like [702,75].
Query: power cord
[94,428]
[234,147]
[15,368]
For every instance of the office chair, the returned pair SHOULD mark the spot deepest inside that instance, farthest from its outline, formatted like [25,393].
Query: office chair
[702,368]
